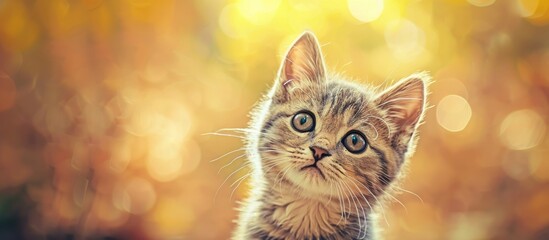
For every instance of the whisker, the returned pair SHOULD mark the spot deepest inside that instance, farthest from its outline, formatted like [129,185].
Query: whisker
[364,197]
[353,197]
[396,199]
[227,178]
[382,120]
[231,162]
[341,204]
[382,208]
[284,175]
[375,129]
[270,166]
[348,200]
[279,180]
[410,192]
[223,135]
[241,130]
[240,180]
[233,151]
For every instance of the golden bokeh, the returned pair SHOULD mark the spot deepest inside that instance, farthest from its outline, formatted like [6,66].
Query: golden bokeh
[366,10]
[453,113]
[522,129]
[110,111]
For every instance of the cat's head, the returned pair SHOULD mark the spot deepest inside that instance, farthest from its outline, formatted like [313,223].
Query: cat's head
[322,135]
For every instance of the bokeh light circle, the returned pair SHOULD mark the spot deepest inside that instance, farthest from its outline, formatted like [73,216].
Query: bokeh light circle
[527,8]
[405,39]
[165,161]
[228,21]
[365,10]
[522,129]
[453,113]
[136,196]
[258,12]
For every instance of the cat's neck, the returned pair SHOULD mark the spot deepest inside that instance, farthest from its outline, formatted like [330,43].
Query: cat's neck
[290,214]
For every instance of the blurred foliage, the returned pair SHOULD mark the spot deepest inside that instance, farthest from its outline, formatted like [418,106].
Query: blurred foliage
[103,106]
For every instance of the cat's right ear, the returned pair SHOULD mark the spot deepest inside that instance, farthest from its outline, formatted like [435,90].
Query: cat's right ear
[404,106]
[302,64]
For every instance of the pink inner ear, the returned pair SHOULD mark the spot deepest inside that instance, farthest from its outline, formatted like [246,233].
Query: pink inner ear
[303,62]
[404,101]
[410,112]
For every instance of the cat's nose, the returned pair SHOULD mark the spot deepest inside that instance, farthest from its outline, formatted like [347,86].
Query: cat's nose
[319,153]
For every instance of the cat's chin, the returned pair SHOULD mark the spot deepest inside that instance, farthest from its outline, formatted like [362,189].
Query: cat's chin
[310,179]
[313,171]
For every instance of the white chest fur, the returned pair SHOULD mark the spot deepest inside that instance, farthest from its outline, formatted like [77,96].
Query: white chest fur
[306,217]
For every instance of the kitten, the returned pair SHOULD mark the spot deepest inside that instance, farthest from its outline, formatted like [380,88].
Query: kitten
[324,150]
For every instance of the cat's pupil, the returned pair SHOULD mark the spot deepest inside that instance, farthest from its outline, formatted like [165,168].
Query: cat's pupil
[354,139]
[303,120]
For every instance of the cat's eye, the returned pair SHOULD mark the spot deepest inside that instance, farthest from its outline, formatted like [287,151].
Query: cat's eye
[303,121]
[355,142]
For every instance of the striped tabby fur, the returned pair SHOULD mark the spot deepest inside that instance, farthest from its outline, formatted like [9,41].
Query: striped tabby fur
[338,198]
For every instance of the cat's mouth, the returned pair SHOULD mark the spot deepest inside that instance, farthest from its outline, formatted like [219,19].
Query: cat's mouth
[314,168]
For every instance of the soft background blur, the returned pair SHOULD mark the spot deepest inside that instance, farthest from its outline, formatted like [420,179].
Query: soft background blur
[103,107]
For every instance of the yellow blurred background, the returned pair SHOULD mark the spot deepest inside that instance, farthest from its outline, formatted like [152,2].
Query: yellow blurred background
[104,106]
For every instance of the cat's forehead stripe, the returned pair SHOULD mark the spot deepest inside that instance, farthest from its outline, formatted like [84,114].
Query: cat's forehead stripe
[342,100]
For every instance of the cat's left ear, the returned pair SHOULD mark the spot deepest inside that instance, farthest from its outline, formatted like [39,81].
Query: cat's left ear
[404,104]
[302,64]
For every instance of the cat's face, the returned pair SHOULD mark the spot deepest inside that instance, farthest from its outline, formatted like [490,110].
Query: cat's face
[323,136]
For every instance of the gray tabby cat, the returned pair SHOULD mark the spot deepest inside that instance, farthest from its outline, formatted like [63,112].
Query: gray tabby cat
[324,150]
